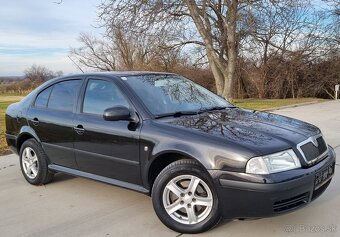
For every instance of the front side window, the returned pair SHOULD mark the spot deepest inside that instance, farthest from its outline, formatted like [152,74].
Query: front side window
[101,95]
[63,95]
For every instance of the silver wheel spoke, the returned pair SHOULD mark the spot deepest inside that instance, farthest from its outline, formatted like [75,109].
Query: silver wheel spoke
[193,184]
[28,170]
[191,214]
[26,163]
[29,155]
[24,158]
[173,207]
[34,170]
[203,201]
[25,155]
[34,159]
[175,188]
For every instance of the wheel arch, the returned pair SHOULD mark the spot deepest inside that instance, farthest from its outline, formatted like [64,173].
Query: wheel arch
[26,133]
[163,159]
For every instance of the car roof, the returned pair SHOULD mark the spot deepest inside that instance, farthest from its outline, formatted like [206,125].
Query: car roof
[117,73]
[94,74]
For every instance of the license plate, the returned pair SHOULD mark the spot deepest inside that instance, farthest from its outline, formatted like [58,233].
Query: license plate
[323,176]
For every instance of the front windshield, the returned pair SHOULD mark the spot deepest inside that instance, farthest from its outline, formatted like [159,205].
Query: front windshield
[167,94]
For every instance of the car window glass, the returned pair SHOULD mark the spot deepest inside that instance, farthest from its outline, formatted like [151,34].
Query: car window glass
[171,93]
[63,95]
[42,98]
[101,95]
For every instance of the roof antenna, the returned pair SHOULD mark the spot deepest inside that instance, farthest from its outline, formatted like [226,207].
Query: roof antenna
[76,64]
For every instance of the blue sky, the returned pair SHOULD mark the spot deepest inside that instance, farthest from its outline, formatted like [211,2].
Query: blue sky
[41,32]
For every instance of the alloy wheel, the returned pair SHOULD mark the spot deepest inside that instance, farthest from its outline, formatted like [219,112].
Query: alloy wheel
[187,199]
[30,163]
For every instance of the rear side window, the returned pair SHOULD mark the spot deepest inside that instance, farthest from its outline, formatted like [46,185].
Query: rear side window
[63,95]
[101,95]
[42,98]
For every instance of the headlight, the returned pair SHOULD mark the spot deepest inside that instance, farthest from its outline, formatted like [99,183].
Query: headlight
[277,162]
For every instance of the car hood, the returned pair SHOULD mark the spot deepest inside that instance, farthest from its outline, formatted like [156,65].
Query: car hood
[258,131]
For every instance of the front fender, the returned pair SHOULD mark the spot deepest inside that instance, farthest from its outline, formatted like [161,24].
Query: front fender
[212,153]
[168,151]
[180,149]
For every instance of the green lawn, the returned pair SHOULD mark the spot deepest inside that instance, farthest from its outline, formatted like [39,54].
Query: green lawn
[263,104]
[5,100]
[256,104]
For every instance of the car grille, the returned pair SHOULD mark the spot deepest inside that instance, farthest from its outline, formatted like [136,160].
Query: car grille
[313,151]
[291,203]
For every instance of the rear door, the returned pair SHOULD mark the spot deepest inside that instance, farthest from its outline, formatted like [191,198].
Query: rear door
[106,148]
[51,116]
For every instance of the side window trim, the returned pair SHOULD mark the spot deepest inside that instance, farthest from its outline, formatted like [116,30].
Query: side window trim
[48,101]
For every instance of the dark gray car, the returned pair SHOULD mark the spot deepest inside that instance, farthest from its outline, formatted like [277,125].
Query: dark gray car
[199,157]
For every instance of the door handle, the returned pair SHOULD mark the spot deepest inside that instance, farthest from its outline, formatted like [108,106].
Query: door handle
[35,121]
[79,129]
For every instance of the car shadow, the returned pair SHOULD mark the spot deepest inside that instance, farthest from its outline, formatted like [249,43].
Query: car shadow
[60,177]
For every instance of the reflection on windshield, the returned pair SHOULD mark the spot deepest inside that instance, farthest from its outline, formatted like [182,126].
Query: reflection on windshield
[166,94]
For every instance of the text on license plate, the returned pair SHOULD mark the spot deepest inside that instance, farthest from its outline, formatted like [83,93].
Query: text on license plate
[322,176]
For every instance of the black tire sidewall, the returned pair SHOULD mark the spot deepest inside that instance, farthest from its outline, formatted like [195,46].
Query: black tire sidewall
[43,166]
[157,198]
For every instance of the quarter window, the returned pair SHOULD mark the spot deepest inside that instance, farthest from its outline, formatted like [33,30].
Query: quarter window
[42,98]
[101,95]
[63,96]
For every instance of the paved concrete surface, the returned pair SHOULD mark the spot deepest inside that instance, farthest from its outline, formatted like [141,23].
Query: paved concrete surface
[78,207]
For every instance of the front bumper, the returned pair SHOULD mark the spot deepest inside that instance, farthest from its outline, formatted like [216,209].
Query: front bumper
[255,196]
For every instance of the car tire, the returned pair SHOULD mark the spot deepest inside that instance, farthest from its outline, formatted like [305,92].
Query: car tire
[176,194]
[33,163]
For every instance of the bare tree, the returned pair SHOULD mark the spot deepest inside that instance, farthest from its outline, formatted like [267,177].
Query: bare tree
[212,25]
[94,53]
[261,48]
[38,74]
[285,39]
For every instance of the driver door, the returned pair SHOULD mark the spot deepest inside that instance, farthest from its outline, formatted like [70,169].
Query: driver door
[106,148]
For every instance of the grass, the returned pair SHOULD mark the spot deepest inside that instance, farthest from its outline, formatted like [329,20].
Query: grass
[257,104]
[264,104]
[5,100]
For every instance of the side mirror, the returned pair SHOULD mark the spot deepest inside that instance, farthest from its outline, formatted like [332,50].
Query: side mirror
[117,113]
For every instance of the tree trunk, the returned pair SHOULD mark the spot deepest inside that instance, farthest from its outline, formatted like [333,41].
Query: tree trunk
[218,76]
[229,74]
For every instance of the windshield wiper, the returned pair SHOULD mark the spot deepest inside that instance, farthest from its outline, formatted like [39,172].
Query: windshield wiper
[213,108]
[177,114]
[180,113]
